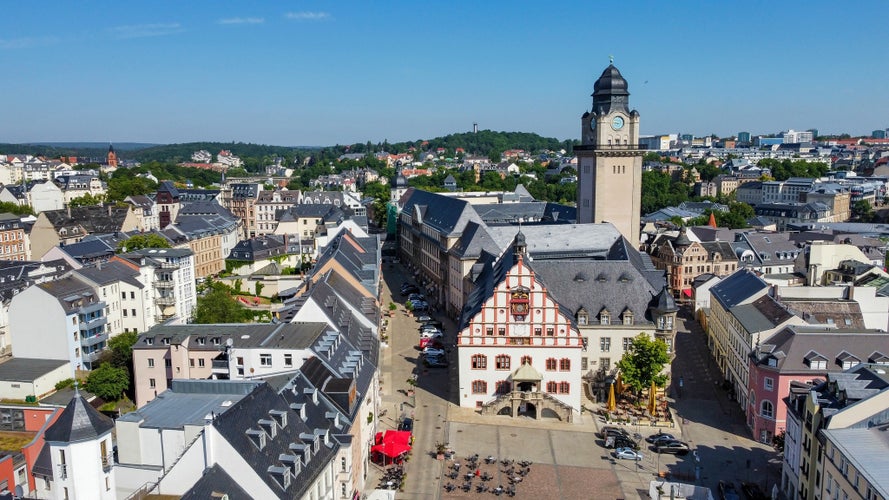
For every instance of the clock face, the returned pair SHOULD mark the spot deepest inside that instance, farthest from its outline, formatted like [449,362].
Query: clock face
[519,308]
[617,123]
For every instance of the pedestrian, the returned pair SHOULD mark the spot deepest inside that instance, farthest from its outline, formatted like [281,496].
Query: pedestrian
[478,472]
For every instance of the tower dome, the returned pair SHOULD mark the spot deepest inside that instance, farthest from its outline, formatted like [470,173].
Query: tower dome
[610,92]
[610,83]
[399,181]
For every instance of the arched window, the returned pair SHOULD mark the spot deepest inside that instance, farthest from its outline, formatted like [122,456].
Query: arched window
[502,362]
[766,409]
[552,387]
[479,362]
[479,387]
[564,364]
[526,360]
[551,364]
[564,387]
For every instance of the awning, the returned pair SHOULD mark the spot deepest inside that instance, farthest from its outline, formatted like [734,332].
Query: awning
[392,444]
[687,292]
[526,373]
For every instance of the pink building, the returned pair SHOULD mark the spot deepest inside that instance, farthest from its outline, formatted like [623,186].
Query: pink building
[802,353]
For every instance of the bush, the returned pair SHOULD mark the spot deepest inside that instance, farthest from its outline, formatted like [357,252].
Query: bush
[64,384]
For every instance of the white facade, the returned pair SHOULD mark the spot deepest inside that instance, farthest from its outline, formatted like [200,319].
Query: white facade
[76,335]
[45,196]
[257,362]
[83,470]
[793,436]
[518,324]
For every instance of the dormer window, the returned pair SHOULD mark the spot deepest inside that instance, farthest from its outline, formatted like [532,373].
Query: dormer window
[269,427]
[166,340]
[628,317]
[257,438]
[281,476]
[149,340]
[201,341]
[583,318]
[280,417]
[604,317]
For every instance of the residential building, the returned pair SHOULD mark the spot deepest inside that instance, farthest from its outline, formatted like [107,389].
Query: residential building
[171,273]
[268,206]
[855,399]
[13,244]
[742,314]
[239,199]
[209,231]
[784,214]
[800,354]
[145,211]
[610,159]
[126,293]
[167,202]
[834,196]
[684,260]
[63,227]
[76,461]
[797,136]
[726,184]
[17,276]
[853,464]
[79,185]
[74,324]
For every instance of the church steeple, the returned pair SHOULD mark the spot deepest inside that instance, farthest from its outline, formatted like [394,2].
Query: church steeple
[111,160]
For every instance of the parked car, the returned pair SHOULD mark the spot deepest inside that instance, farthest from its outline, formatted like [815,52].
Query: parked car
[660,436]
[727,491]
[421,307]
[432,323]
[435,362]
[433,351]
[753,492]
[620,441]
[627,454]
[610,428]
[663,439]
[416,296]
[430,342]
[406,424]
[431,333]
[673,447]
[424,318]
[409,290]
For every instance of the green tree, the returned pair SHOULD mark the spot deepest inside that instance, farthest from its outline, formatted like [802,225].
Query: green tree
[15,208]
[108,382]
[643,362]
[140,241]
[218,306]
[121,347]
[862,211]
[86,200]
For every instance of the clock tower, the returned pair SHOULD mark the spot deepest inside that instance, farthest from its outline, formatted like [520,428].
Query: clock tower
[609,160]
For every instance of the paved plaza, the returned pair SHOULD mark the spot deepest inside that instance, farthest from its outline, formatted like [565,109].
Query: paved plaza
[567,460]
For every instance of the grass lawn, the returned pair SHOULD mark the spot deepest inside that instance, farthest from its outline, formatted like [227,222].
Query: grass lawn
[13,441]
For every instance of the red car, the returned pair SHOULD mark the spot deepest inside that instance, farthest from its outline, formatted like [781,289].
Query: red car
[429,342]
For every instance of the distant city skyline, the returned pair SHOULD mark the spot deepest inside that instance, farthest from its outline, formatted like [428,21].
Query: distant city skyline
[322,73]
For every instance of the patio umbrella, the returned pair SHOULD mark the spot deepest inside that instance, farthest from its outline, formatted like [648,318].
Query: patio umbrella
[612,401]
[620,384]
[652,399]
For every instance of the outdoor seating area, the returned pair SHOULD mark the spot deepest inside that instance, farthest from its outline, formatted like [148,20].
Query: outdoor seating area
[625,407]
[485,475]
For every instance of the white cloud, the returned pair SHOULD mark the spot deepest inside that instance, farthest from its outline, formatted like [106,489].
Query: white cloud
[242,20]
[26,43]
[308,16]
[146,30]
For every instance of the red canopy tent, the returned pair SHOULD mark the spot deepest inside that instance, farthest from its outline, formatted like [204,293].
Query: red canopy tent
[392,444]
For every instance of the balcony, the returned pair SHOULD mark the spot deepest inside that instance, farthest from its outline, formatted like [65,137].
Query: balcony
[169,265]
[165,300]
[219,366]
[162,283]
[90,357]
[85,309]
[90,324]
[95,339]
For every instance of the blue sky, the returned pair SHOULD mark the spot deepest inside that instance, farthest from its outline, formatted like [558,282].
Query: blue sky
[294,72]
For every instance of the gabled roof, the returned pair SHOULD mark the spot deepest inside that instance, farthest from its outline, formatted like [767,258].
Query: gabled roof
[78,422]
[245,415]
[215,483]
[737,288]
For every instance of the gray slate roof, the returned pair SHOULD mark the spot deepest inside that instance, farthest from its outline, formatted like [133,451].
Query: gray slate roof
[188,402]
[78,422]
[213,484]
[27,370]
[867,449]
[737,288]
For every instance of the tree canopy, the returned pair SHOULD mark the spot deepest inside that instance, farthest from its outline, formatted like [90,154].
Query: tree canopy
[108,382]
[218,306]
[643,362]
[787,168]
[140,241]
[16,209]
